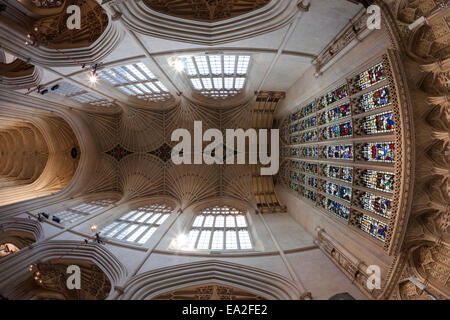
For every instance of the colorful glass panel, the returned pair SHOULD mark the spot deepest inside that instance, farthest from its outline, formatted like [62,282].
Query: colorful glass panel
[311,195]
[309,123]
[338,94]
[293,186]
[373,227]
[295,176]
[379,152]
[310,152]
[379,123]
[337,113]
[338,131]
[371,77]
[336,208]
[376,204]
[337,172]
[295,164]
[310,108]
[375,99]
[295,139]
[310,136]
[379,180]
[341,151]
[310,167]
[337,190]
[310,181]
[295,152]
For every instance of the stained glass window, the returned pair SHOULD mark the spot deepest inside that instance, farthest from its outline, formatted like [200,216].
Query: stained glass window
[295,128]
[137,226]
[341,151]
[219,228]
[294,186]
[373,227]
[376,204]
[295,176]
[295,139]
[295,152]
[375,99]
[309,123]
[337,172]
[341,130]
[310,167]
[295,164]
[285,152]
[323,102]
[310,152]
[379,123]
[338,94]
[371,77]
[337,190]
[310,108]
[310,181]
[336,208]
[379,180]
[379,152]
[337,113]
[310,136]
[311,195]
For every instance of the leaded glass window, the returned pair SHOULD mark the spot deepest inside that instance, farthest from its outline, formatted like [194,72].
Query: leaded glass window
[338,172]
[219,228]
[341,151]
[337,190]
[375,99]
[138,225]
[373,227]
[336,208]
[379,180]
[78,212]
[136,80]
[217,76]
[376,204]
[341,130]
[379,152]
[311,195]
[371,77]
[379,123]
[340,112]
[75,93]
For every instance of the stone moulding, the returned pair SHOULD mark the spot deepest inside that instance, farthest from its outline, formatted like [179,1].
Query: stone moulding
[138,17]
[13,40]
[266,284]
[56,250]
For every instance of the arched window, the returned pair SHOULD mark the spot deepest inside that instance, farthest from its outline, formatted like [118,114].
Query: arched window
[76,213]
[217,76]
[137,226]
[219,228]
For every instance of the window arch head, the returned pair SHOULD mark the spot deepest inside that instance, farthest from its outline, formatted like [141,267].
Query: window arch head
[219,228]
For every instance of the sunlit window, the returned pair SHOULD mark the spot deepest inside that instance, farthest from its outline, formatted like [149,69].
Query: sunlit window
[219,228]
[137,226]
[76,213]
[74,92]
[136,80]
[217,76]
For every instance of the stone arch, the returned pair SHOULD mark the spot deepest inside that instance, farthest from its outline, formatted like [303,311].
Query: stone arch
[267,285]
[20,232]
[36,157]
[15,272]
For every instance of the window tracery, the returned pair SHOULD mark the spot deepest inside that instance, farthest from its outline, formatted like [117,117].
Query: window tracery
[342,177]
[219,228]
